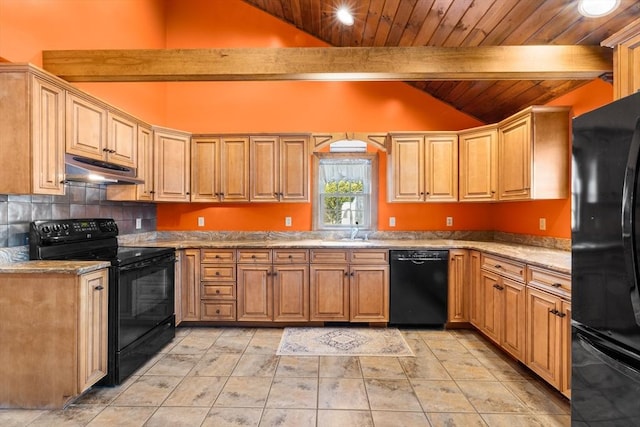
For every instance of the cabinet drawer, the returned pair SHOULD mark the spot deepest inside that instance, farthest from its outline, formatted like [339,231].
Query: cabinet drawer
[218,310]
[370,256]
[504,267]
[217,256]
[329,256]
[218,272]
[218,290]
[549,280]
[290,256]
[259,256]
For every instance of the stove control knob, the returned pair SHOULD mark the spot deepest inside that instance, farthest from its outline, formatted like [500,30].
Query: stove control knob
[56,227]
[46,229]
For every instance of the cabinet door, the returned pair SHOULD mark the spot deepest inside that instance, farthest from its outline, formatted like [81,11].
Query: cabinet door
[369,293]
[458,286]
[407,169]
[86,128]
[476,304]
[265,168]
[543,335]
[145,163]
[177,289]
[329,292]
[122,140]
[255,293]
[92,328]
[205,169]
[492,305]
[234,169]
[294,168]
[515,159]
[172,167]
[441,171]
[190,284]
[565,343]
[291,293]
[47,130]
[513,321]
[479,165]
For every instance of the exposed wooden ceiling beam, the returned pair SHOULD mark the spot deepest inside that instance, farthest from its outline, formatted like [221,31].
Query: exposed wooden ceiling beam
[332,63]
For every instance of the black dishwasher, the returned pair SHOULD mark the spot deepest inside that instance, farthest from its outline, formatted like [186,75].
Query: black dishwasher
[419,287]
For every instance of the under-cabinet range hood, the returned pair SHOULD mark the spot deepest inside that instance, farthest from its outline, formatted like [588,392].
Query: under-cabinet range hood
[84,169]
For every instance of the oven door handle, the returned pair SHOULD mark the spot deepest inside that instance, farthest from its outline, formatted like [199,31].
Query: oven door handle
[168,259]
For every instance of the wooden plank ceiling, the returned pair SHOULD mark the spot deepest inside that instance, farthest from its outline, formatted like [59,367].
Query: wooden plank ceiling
[461,23]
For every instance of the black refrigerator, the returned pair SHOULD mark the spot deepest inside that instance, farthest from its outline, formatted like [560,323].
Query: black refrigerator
[605,209]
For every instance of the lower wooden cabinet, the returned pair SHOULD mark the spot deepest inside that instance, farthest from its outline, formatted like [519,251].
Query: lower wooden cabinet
[54,337]
[349,285]
[458,298]
[549,338]
[504,305]
[273,285]
[189,284]
[476,300]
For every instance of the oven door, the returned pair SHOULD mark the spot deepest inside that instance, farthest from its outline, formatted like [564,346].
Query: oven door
[145,297]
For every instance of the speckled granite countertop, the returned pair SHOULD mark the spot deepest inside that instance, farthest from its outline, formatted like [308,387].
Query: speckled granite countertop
[53,267]
[549,258]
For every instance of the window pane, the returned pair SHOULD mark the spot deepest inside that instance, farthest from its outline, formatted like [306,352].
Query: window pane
[344,187]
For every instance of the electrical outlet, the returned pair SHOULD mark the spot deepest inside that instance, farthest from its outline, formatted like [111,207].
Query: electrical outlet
[392,221]
[287,221]
[138,223]
[449,221]
[543,223]
[200,221]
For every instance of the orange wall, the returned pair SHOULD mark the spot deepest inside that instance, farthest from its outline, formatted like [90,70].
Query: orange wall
[27,27]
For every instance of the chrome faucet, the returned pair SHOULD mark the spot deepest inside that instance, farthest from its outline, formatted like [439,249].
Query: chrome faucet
[354,231]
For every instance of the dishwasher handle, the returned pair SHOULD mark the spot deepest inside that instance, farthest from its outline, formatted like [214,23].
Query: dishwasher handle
[419,260]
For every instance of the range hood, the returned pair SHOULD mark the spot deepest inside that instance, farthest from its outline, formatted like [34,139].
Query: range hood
[84,169]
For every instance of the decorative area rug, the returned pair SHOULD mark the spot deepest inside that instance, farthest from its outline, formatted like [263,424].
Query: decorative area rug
[327,341]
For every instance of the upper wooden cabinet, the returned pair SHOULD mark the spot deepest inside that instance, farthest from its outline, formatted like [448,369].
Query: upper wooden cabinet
[626,59]
[172,165]
[478,164]
[95,131]
[220,168]
[533,154]
[423,167]
[32,111]
[279,168]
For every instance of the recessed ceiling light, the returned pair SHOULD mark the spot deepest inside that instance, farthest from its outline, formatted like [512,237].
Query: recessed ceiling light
[344,15]
[597,8]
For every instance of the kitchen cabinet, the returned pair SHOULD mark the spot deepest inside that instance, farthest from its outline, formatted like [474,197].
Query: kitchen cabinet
[533,154]
[349,285]
[549,327]
[273,285]
[503,292]
[189,284]
[32,139]
[217,284]
[279,168]
[220,168]
[423,167]
[172,165]
[479,164]
[144,191]
[458,298]
[95,131]
[63,350]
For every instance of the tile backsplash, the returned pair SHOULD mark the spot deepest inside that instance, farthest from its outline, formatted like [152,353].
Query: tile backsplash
[80,201]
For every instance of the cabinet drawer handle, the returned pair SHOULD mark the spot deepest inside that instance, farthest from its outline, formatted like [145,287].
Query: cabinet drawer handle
[217,273]
[99,288]
[497,266]
[557,285]
[554,312]
[560,314]
[495,285]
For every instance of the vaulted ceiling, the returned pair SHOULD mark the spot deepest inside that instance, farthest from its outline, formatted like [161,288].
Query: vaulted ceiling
[461,23]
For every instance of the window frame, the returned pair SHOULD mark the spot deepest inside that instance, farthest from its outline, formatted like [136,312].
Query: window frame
[317,224]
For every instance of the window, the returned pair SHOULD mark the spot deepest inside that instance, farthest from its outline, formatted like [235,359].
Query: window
[345,191]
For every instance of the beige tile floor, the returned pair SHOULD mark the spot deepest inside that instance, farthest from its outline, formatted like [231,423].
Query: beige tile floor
[232,377]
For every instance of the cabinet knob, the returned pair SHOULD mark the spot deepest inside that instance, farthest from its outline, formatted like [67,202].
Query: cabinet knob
[218,311]
[217,273]
[346,274]
[217,291]
[99,288]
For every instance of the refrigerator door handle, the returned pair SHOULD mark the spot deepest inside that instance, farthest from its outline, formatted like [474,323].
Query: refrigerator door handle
[628,218]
